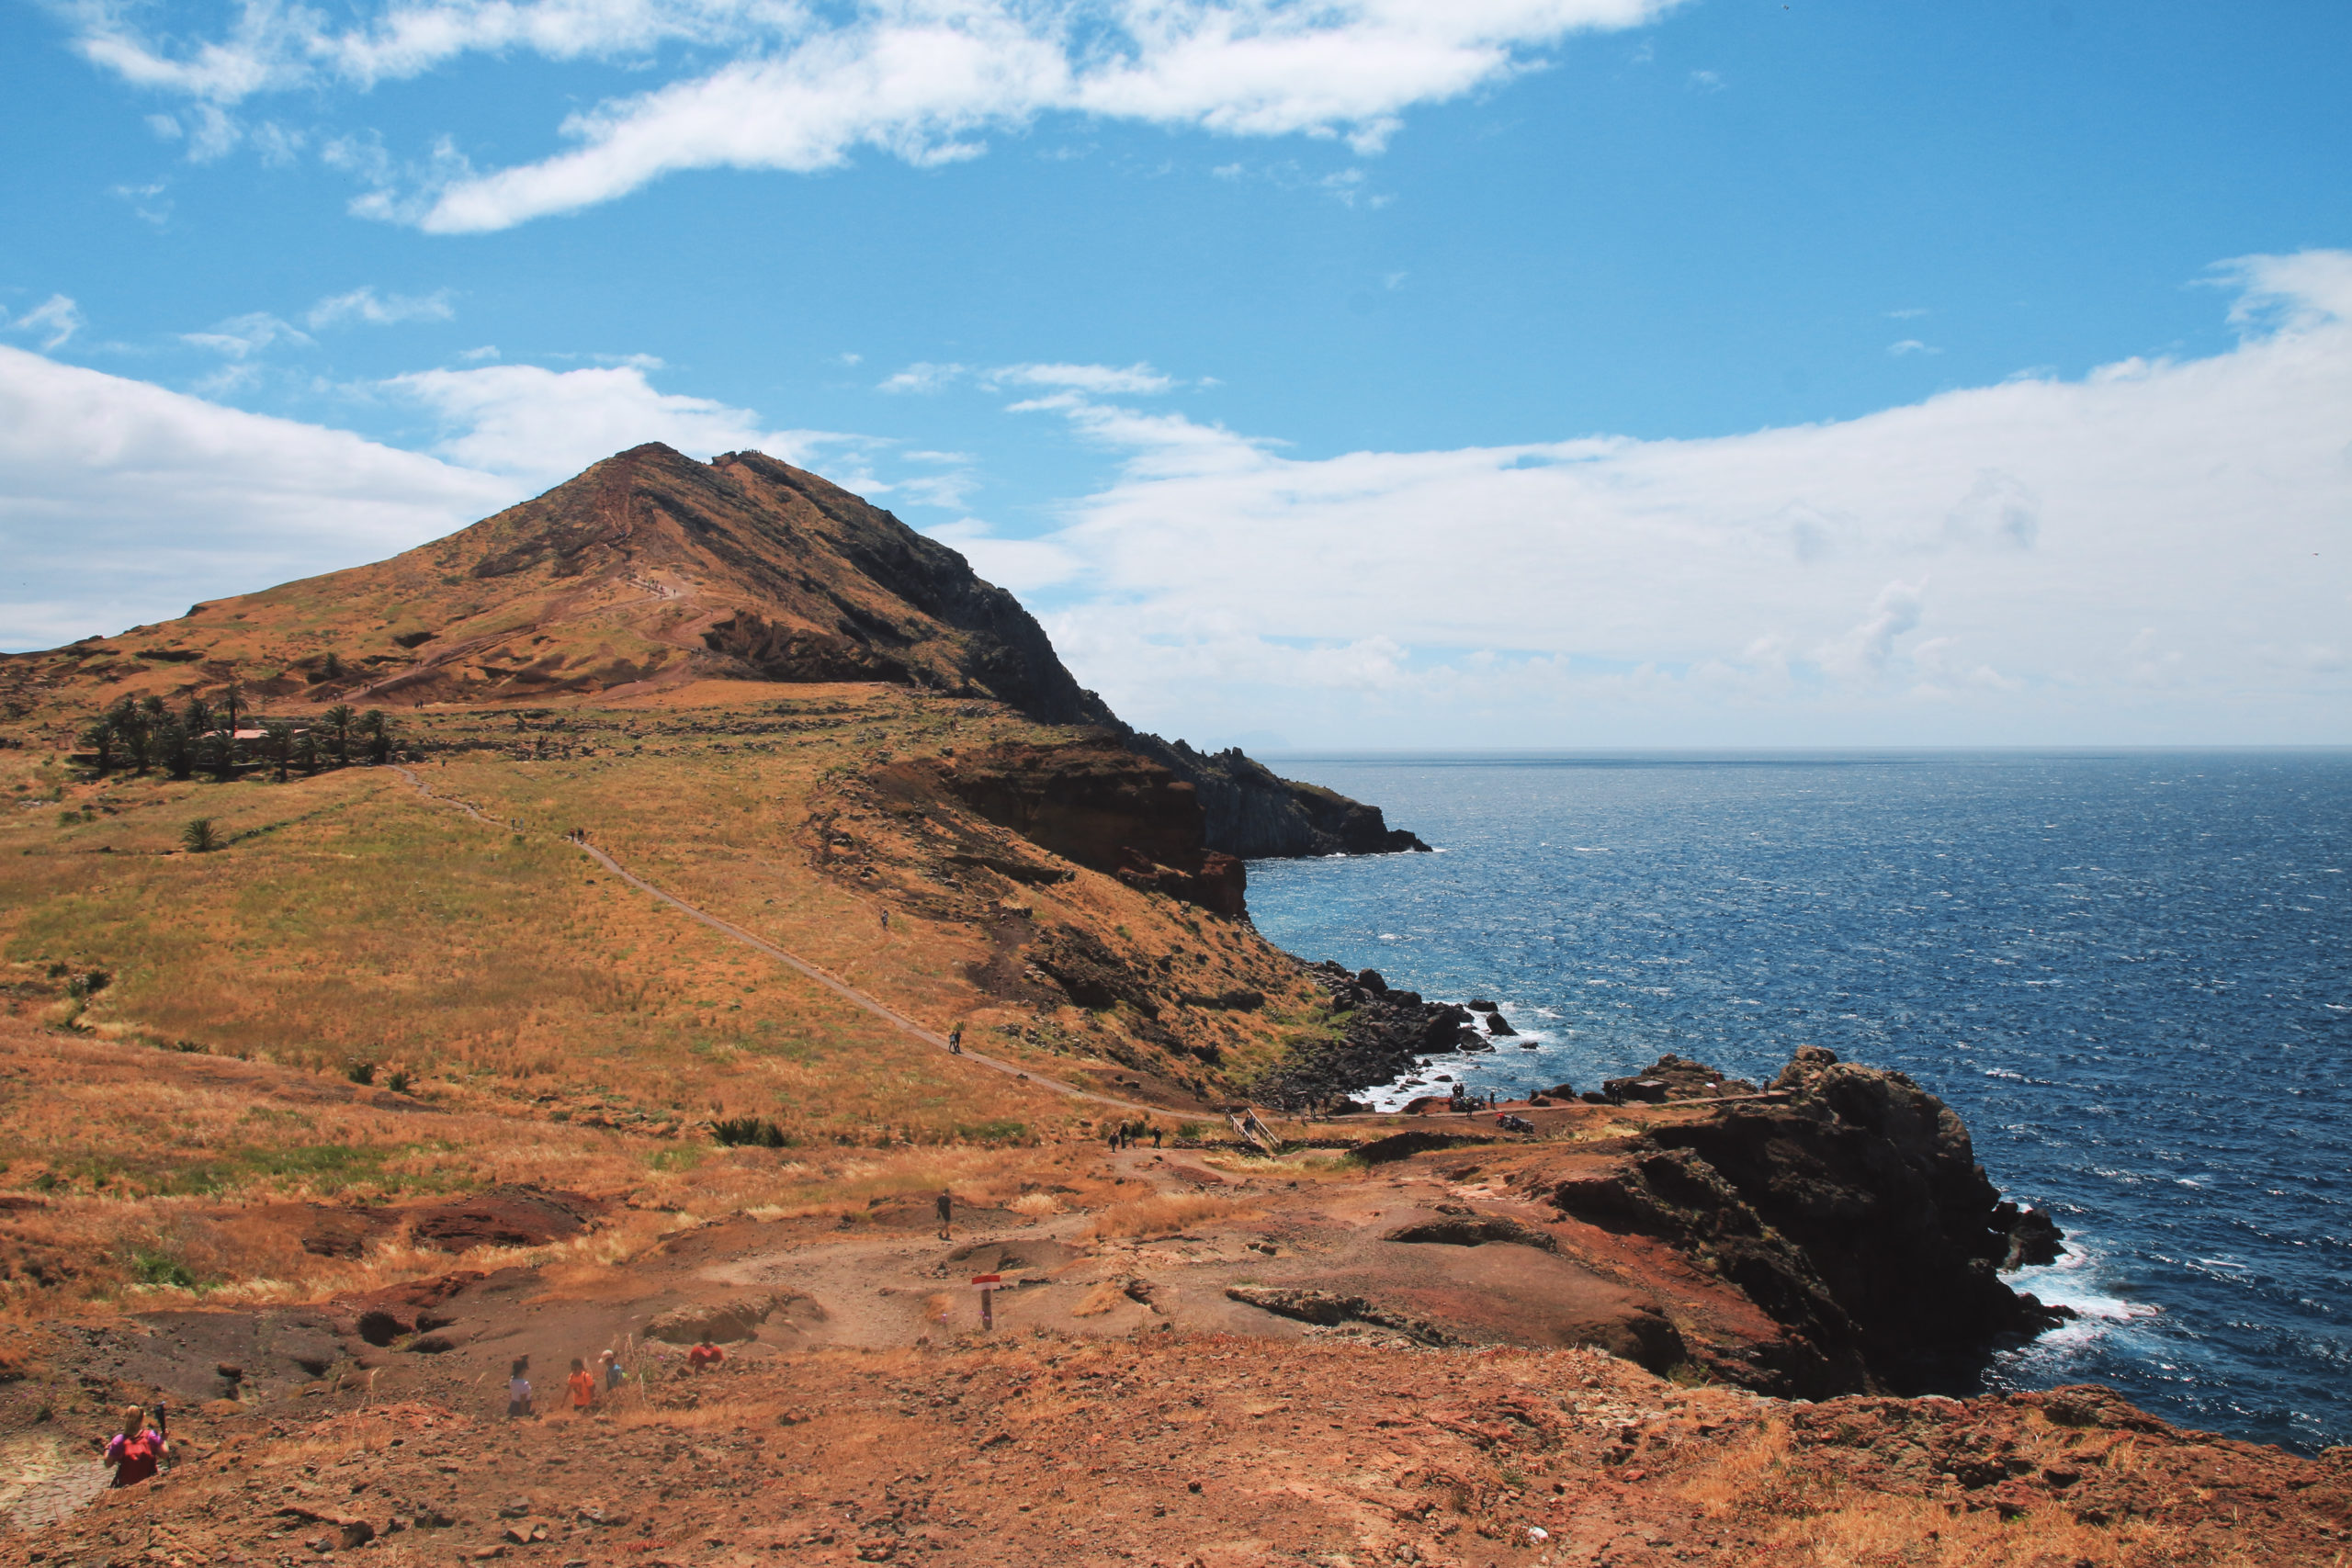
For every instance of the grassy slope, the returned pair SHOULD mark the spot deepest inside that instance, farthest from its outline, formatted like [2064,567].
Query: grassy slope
[563,1028]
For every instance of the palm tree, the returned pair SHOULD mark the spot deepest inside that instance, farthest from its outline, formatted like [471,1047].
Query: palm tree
[378,731]
[338,720]
[176,747]
[220,754]
[306,752]
[131,729]
[100,737]
[229,704]
[278,744]
[199,837]
[200,716]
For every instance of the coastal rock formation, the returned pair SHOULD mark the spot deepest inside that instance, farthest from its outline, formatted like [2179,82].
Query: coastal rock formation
[1092,801]
[1252,812]
[1381,1034]
[1848,1207]
[649,571]
[1669,1078]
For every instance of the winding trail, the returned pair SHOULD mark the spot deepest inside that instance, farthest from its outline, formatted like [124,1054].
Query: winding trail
[840,987]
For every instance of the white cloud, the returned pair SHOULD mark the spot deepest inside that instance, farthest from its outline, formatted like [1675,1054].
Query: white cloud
[1023,565]
[2156,551]
[53,320]
[1911,345]
[120,502]
[242,337]
[364,304]
[922,378]
[147,201]
[1098,380]
[802,89]
[545,425]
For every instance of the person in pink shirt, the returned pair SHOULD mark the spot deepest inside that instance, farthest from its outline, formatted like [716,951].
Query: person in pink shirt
[136,1450]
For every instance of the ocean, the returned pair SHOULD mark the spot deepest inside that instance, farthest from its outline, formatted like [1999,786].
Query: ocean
[2130,972]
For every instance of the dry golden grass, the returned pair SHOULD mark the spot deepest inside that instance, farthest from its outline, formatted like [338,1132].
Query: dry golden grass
[367,924]
[1817,1518]
[1108,1296]
[1164,1213]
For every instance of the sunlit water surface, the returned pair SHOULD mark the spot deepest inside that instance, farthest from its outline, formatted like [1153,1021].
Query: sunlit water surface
[2130,974]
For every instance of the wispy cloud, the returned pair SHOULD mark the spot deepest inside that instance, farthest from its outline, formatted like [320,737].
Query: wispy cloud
[801,89]
[547,425]
[922,378]
[242,337]
[54,321]
[1911,345]
[1100,380]
[364,304]
[2037,559]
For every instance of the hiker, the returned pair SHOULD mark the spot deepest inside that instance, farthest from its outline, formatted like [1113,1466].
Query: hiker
[704,1356]
[1155,1135]
[582,1384]
[136,1450]
[613,1374]
[956,1040]
[885,920]
[518,1389]
[947,1209]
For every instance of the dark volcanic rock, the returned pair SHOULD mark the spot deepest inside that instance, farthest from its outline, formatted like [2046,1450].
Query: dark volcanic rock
[1383,1033]
[1252,812]
[1089,800]
[503,1216]
[1854,1214]
[1673,1077]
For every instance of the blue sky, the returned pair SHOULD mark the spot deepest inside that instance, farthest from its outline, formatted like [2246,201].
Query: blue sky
[1377,372]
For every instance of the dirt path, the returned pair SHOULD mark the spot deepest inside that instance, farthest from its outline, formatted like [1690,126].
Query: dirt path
[42,1480]
[840,987]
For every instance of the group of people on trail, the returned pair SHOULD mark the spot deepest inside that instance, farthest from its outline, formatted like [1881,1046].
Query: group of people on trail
[582,1385]
[587,1388]
[137,1451]
[1127,1134]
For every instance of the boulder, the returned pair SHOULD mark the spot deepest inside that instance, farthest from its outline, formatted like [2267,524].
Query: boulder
[732,1320]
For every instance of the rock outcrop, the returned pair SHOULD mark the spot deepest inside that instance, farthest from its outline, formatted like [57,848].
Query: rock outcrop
[1252,812]
[1848,1207]
[1381,1034]
[1094,802]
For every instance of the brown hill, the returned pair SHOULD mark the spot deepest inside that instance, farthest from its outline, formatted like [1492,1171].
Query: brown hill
[645,572]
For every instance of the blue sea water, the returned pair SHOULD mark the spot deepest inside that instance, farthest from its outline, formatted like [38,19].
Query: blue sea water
[2130,973]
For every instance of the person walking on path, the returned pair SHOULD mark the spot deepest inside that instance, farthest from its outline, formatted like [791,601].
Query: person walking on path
[613,1374]
[582,1384]
[956,1040]
[136,1450]
[518,1389]
[946,1212]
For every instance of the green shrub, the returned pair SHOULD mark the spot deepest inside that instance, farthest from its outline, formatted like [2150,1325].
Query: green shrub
[161,1268]
[750,1132]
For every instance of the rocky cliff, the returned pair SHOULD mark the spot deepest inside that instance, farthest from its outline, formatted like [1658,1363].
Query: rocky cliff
[1255,814]
[1846,1204]
[1092,801]
[648,571]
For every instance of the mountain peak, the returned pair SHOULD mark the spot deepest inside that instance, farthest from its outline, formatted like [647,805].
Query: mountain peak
[645,570]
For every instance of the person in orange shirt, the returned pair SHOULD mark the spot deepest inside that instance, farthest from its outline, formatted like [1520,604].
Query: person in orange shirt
[582,1383]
